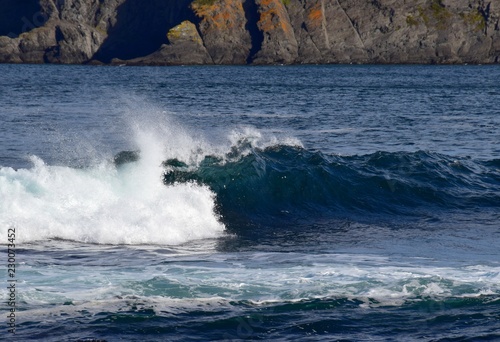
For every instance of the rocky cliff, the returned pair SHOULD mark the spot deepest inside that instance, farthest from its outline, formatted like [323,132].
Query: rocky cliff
[171,32]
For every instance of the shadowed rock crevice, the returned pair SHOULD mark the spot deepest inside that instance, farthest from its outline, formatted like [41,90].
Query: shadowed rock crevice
[18,16]
[141,28]
[256,35]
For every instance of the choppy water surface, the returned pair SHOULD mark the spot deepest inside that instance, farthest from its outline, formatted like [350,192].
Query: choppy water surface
[285,203]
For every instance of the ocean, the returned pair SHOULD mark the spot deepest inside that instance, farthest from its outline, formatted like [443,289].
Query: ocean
[285,203]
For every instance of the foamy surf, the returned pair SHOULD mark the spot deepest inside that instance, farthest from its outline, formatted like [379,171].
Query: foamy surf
[104,205]
[129,203]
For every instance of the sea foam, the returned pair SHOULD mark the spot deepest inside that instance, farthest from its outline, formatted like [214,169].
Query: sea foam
[106,204]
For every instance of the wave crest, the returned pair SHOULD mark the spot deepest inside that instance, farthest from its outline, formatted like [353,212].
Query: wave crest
[282,181]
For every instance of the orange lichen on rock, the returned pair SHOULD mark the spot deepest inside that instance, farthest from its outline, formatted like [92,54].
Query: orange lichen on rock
[184,31]
[221,14]
[273,16]
[315,14]
[223,30]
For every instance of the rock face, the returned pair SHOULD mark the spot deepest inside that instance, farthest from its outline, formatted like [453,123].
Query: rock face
[159,32]
[279,44]
[223,28]
[185,47]
[68,31]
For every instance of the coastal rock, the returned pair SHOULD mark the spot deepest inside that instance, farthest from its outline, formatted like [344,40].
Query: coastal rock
[249,31]
[278,43]
[223,28]
[185,47]
[9,50]
[33,45]
[60,32]
[74,44]
[138,28]
[326,33]
[423,31]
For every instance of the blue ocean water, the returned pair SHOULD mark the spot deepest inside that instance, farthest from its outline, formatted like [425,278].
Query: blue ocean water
[251,203]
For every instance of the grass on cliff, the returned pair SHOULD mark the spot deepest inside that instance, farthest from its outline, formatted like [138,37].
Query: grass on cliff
[211,2]
[437,11]
[475,19]
[411,21]
[204,2]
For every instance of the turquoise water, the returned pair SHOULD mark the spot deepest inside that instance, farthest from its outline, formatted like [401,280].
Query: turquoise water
[287,203]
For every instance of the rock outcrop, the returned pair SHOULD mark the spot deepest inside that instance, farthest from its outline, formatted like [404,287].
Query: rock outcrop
[185,47]
[222,26]
[279,44]
[159,32]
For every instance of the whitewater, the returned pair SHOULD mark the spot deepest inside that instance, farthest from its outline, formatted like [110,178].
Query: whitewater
[106,204]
